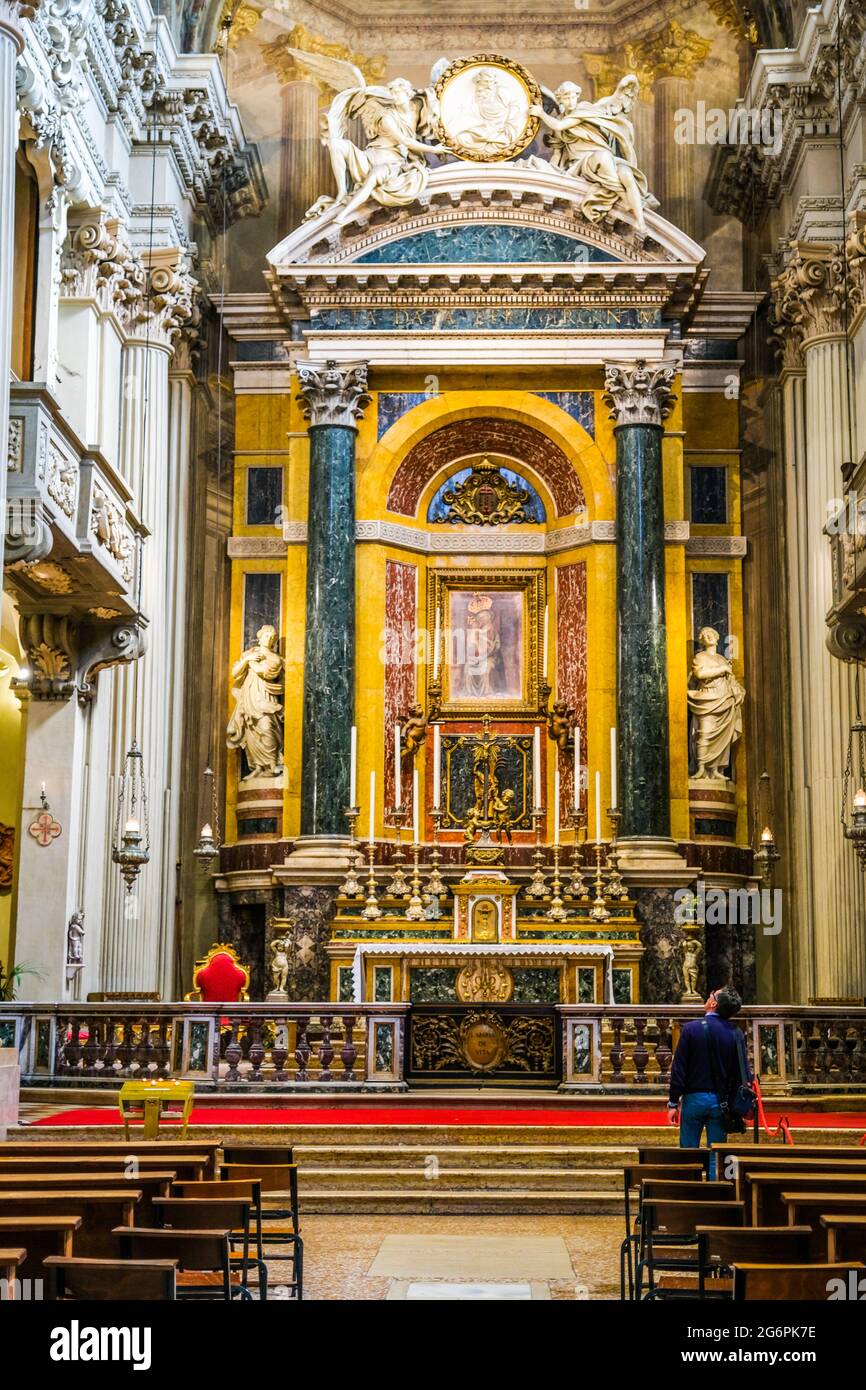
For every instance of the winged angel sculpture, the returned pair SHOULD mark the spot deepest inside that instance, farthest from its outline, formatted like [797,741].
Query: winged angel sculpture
[392,168]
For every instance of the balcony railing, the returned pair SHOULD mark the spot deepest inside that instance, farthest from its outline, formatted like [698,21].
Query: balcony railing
[266,1047]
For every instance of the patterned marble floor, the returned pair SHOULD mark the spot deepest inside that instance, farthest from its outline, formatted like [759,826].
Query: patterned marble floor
[340,1253]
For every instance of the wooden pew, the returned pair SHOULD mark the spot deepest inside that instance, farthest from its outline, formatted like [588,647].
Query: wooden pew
[188,1167]
[127,1280]
[150,1185]
[633,1174]
[846,1237]
[763,1195]
[10,1260]
[670,1153]
[758,1282]
[100,1211]
[664,1220]
[112,1148]
[40,1236]
[770,1163]
[807,1208]
[784,1152]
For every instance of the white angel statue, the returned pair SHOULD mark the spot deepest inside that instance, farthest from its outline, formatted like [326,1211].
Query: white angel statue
[594,140]
[392,168]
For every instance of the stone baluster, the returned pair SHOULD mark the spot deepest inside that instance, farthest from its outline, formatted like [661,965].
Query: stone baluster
[279,1052]
[302,1048]
[333,399]
[640,1054]
[617,1051]
[664,1052]
[326,1048]
[348,1052]
[640,398]
[256,1050]
[233,1052]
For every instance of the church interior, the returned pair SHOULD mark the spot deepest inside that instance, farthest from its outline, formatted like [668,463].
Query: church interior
[432,649]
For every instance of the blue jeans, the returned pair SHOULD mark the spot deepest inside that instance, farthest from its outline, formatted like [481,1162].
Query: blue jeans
[699,1109]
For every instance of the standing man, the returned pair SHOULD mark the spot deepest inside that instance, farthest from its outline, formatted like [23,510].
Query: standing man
[709,1065]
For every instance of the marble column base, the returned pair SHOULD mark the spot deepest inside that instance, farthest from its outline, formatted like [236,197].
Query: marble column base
[653,861]
[316,859]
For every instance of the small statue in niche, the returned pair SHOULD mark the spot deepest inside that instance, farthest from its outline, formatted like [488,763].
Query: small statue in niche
[75,939]
[691,950]
[279,965]
[716,704]
[560,724]
[413,732]
[256,725]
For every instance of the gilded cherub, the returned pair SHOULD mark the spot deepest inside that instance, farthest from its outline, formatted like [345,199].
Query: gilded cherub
[502,814]
[560,724]
[413,732]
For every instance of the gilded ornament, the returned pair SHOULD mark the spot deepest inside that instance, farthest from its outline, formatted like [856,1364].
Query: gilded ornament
[486,108]
[486,498]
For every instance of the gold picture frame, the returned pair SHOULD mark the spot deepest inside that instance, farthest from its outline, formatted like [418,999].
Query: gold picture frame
[488,657]
[492,123]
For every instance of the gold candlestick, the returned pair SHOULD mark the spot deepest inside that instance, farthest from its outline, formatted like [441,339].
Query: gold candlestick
[538,883]
[599,912]
[352,886]
[398,887]
[372,909]
[556,912]
[415,910]
[616,889]
[435,884]
[577,888]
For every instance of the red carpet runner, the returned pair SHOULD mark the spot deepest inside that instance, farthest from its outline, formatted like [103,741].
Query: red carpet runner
[462,1115]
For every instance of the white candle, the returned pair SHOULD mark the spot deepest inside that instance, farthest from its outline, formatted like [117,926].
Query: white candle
[613,769]
[372,807]
[416,819]
[398,779]
[598,808]
[544,649]
[577,767]
[436,647]
[556,807]
[353,766]
[536,770]
[437,768]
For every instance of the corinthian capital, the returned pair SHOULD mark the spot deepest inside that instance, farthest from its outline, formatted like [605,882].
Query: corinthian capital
[11,15]
[331,396]
[637,394]
[809,293]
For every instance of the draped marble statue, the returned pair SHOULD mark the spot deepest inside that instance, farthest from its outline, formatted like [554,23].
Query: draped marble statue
[256,724]
[716,703]
[392,169]
[594,141]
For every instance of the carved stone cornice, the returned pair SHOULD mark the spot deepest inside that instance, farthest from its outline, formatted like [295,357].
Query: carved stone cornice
[62,28]
[809,295]
[638,394]
[64,657]
[333,395]
[287,68]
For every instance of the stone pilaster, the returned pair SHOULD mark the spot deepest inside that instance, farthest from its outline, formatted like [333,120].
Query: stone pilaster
[640,398]
[11,44]
[333,400]
[809,314]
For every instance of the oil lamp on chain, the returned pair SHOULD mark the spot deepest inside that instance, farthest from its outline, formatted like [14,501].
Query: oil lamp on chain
[854,825]
[764,851]
[208,846]
[130,849]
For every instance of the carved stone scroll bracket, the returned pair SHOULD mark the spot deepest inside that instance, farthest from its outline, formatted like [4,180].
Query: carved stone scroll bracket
[64,657]
[846,638]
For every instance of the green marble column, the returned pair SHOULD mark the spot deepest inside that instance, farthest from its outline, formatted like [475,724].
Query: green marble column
[333,400]
[640,399]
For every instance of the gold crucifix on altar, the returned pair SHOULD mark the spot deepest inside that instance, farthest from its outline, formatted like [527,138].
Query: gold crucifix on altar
[492,810]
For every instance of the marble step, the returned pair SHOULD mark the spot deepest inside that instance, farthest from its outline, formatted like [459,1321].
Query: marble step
[579,1157]
[480,1201]
[313,1181]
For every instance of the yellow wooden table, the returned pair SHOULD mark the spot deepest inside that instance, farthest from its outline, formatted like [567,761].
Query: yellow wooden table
[151,1098]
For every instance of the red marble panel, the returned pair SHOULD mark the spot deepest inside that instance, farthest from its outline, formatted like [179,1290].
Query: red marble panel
[401,583]
[482,435]
[571,667]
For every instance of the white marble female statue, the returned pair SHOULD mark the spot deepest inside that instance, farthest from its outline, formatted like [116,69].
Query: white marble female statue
[256,724]
[392,169]
[594,141]
[716,703]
